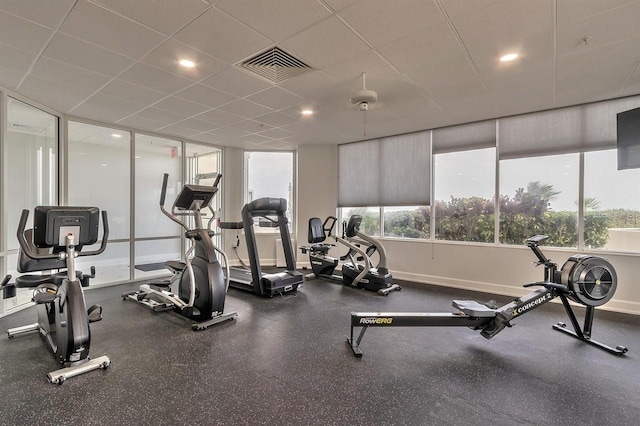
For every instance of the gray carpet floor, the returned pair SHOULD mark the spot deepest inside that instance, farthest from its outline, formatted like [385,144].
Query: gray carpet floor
[285,361]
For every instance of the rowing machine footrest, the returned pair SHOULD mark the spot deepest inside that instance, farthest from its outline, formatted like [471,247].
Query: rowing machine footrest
[474,309]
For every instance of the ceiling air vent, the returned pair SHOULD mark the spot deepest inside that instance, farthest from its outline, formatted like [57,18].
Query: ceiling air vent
[275,65]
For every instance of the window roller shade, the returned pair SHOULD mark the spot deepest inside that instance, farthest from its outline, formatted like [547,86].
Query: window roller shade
[393,171]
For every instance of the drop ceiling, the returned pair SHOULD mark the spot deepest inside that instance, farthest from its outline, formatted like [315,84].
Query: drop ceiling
[433,63]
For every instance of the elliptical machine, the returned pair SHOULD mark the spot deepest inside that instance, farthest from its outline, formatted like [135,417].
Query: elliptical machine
[359,270]
[201,283]
[63,320]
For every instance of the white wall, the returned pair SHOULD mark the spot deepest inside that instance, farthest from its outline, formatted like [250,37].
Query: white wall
[490,268]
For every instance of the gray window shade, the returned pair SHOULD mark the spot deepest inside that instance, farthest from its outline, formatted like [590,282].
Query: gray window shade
[393,171]
[465,137]
[581,128]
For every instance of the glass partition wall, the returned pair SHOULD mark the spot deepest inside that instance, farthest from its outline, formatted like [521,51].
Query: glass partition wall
[122,172]
[29,177]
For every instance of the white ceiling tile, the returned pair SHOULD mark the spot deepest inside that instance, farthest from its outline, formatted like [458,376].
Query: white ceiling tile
[61,72]
[133,92]
[461,7]
[573,10]
[14,65]
[250,126]
[276,133]
[325,43]
[222,36]
[435,45]
[592,86]
[37,87]
[48,13]
[205,95]
[245,108]
[94,24]
[168,55]
[89,56]
[21,34]
[138,122]
[181,106]
[437,75]
[236,82]
[602,29]
[154,78]
[338,5]
[381,24]
[225,133]
[349,71]
[221,118]
[286,17]
[161,115]
[255,138]
[275,119]
[633,84]
[195,124]
[107,108]
[208,137]
[510,78]
[525,98]
[469,109]
[530,50]
[178,130]
[599,59]
[311,84]
[166,16]
[504,20]
[275,98]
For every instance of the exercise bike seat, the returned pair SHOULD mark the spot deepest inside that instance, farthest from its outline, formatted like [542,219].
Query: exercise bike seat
[474,309]
[33,280]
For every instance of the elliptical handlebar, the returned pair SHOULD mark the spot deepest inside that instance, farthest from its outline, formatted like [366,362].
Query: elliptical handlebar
[26,249]
[163,195]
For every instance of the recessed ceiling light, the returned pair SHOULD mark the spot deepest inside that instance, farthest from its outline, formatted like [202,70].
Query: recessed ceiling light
[116,135]
[509,57]
[307,112]
[187,63]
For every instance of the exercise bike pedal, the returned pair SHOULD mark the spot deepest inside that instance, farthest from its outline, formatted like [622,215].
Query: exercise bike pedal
[94,313]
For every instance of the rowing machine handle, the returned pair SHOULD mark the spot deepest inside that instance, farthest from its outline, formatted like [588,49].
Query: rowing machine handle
[559,287]
[164,189]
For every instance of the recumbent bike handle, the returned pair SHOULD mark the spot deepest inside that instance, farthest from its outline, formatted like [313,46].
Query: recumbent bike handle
[27,250]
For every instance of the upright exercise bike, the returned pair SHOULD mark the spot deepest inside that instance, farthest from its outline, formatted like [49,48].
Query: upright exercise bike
[201,283]
[57,238]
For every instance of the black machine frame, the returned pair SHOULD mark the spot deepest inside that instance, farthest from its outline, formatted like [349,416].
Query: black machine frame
[63,319]
[581,279]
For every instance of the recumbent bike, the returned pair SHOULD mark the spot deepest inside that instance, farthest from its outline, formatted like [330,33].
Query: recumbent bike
[359,270]
[201,283]
[57,238]
[588,280]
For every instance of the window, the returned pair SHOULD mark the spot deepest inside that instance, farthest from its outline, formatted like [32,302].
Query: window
[407,222]
[464,195]
[539,195]
[611,203]
[269,174]
[370,219]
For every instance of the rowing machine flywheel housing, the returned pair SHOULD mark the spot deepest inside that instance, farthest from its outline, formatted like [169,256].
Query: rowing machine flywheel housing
[591,280]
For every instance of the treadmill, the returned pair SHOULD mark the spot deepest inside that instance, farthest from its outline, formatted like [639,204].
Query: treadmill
[254,280]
